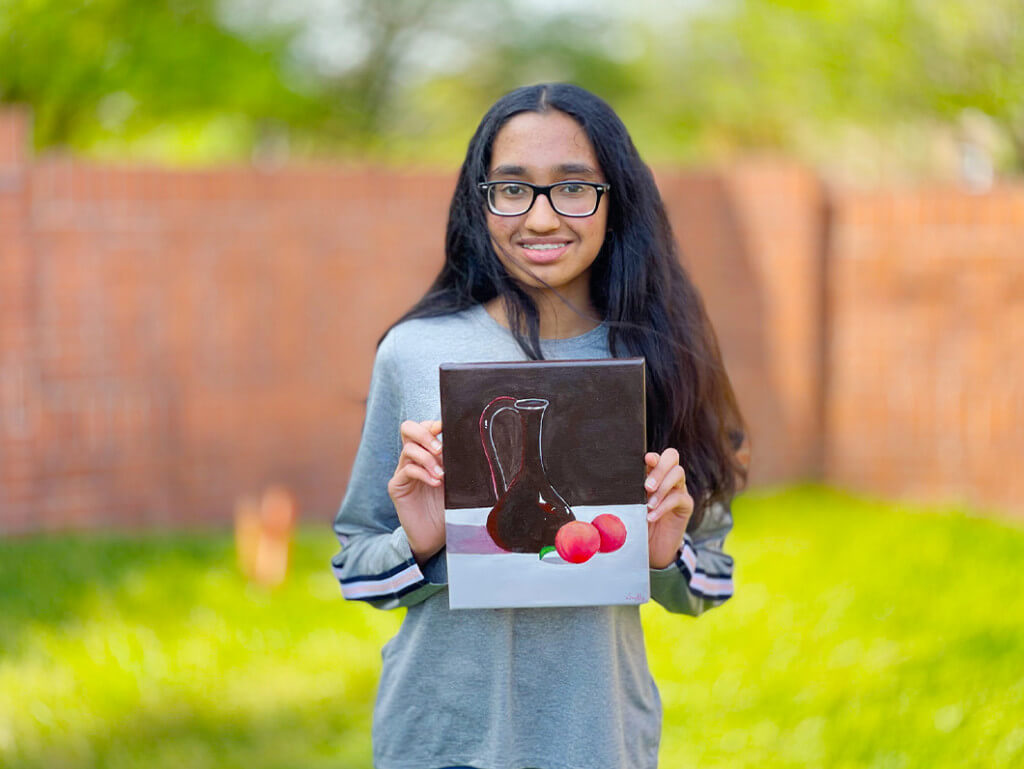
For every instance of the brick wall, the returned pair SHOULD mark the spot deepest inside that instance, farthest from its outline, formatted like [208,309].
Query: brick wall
[173,339]
[751,238]
[17,407]
[200,335]
[925,387]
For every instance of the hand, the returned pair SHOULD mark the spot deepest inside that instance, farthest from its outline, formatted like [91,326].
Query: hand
[417,490]
[669,506]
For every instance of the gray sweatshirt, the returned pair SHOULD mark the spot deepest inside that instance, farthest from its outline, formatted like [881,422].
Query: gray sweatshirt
[563,688]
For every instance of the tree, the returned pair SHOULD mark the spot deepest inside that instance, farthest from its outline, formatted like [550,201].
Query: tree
[124,66]
[766,72]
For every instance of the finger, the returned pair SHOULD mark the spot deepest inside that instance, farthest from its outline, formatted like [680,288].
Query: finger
[651,459]
[678,503]
[669,458]
[674,479]
[423,433]
[414,454]
[415,473]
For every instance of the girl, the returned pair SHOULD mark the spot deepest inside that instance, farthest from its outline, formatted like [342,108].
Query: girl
[558,246]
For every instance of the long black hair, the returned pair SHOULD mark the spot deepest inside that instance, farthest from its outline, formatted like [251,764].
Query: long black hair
[637,285]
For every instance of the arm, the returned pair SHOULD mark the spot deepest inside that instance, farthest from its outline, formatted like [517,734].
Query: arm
[689,572]
[376,563]
[700,578]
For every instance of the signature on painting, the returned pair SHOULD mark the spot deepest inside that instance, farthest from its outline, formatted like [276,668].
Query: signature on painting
[635,597]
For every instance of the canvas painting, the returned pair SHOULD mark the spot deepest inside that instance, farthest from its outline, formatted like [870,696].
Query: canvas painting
[544,474]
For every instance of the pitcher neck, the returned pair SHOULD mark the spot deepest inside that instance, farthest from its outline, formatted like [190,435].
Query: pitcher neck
[533,432]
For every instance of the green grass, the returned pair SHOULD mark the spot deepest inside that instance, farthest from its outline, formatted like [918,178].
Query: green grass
[862,635]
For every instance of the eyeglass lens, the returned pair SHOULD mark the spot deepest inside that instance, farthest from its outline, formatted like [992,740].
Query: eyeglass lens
[570,198]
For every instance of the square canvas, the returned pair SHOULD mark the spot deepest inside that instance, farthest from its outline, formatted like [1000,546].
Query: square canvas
[544,474]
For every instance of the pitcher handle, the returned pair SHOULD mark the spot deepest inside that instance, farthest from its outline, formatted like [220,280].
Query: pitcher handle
[491,410]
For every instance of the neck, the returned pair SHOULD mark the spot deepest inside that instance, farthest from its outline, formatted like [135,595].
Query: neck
[558,320]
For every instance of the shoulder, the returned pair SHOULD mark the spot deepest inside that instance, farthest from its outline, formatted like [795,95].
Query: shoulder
[416,338]
[409,355]
[412,349]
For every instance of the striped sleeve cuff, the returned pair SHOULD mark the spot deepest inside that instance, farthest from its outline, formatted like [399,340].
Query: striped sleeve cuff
[392,583]
[715,586]
[386,584]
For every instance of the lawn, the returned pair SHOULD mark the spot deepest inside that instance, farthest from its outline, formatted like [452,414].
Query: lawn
[863,634]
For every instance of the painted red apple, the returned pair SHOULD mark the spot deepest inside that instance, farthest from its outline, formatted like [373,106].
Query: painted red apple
[612,531]
[577,541]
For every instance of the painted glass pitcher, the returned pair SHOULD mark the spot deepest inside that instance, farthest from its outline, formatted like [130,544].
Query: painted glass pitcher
[529,510]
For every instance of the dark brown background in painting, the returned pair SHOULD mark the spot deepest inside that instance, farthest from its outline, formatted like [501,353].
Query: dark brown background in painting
[594,428]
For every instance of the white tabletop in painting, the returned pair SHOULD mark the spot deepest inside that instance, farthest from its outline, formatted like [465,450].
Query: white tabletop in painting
[481,575]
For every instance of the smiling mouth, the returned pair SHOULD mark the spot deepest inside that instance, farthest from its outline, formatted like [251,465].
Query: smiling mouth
[543,246]
[544,253]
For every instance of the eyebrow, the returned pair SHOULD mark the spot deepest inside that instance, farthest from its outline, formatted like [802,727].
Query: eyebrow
[565,169]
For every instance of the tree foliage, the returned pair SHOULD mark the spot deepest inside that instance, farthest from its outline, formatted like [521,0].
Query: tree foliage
[119,68]
[409,78]
[765,72]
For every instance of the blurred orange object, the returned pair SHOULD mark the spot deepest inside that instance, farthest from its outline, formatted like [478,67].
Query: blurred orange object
[263,532]
[247,533]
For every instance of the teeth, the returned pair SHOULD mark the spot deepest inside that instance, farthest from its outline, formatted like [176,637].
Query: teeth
[544,246]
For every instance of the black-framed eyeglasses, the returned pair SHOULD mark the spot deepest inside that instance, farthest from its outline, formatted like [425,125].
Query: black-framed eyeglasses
[569,198]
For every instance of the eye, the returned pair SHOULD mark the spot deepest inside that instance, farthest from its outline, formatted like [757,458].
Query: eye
[512,190]
[573,188]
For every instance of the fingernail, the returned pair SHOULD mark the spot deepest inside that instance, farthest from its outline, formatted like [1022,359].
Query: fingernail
[436,445]
[438,471]
[652,503]
[651,516]
[651,484]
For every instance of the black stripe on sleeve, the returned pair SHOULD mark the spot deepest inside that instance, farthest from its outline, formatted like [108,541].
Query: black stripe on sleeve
[381,575]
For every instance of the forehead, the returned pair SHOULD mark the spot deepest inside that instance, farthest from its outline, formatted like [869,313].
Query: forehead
[541,142]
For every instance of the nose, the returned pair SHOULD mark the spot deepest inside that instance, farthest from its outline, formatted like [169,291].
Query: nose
[542,217]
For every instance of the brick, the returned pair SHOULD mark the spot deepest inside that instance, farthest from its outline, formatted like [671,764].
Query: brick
[15,137]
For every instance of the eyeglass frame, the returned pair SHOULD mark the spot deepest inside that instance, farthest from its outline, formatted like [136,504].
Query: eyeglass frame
[544,189]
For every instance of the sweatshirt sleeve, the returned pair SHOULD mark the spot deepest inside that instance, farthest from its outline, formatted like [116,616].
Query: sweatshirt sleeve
[375,563]
[701,577]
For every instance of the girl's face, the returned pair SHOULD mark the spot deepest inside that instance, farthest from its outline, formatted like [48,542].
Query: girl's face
[542,246]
